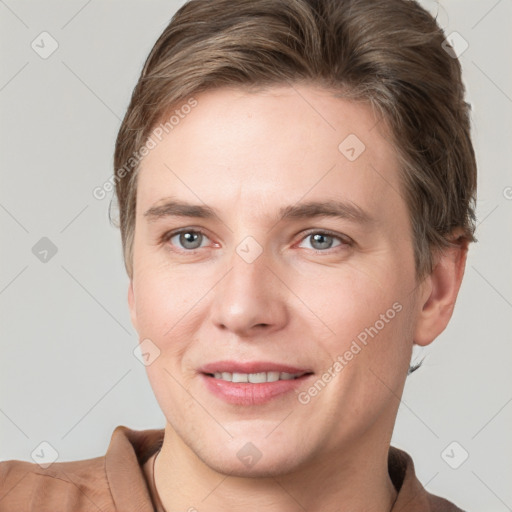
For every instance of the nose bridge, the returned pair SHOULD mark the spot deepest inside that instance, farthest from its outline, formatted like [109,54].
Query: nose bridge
[249,297]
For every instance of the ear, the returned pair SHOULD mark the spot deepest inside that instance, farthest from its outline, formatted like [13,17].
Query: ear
[131,304]
[439,292]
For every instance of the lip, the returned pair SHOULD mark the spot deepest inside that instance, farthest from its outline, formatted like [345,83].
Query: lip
[243,393]
[250,367]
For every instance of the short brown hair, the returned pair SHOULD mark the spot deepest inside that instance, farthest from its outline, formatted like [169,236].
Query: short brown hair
[389,53]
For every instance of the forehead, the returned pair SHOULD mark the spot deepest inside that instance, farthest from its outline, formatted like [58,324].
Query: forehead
[267,148]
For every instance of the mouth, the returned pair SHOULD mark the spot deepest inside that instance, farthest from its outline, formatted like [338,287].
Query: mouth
[255,378]
[253,383]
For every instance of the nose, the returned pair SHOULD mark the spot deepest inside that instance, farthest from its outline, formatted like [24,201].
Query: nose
[250,299]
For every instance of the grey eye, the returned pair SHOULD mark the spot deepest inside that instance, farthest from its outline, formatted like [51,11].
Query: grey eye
[322,241]
[188,239]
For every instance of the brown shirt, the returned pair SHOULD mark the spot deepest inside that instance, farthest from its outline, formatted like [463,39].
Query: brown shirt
[122,480]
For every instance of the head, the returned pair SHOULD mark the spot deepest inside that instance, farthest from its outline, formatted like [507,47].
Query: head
[250,110]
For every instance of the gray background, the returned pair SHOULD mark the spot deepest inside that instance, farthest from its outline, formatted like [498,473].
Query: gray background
[68,375]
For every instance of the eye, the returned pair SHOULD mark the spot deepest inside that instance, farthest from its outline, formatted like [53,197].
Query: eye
[322,240]
[188,239]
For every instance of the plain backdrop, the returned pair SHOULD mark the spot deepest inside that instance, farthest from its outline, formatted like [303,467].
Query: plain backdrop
[68,374]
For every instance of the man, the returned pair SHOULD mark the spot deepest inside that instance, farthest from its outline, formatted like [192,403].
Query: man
[296,187]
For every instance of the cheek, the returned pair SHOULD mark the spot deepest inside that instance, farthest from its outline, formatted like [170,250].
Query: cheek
[370,316]
[349,300]
[373,341]
[164,302]
[167,308]
[169,304]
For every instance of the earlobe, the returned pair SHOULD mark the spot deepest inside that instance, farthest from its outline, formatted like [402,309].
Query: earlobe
[441,290]
[131,304]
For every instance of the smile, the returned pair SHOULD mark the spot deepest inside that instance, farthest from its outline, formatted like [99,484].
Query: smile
[252,383]
[255,378]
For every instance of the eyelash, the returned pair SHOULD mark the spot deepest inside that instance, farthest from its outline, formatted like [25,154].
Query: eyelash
[344,240]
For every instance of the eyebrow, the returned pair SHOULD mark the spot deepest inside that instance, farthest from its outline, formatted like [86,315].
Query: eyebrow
[310,209]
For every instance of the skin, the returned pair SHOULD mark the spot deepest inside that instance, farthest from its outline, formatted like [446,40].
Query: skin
[248,154]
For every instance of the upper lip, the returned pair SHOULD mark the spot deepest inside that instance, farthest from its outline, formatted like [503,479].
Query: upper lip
[251,367]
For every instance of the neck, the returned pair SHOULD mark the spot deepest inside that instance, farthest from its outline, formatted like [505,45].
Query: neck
[356,479]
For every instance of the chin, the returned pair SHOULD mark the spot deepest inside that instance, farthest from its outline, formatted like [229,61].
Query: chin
[265,467]
[243,458]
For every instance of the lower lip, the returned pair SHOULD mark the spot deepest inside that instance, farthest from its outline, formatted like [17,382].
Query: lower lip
[243,393]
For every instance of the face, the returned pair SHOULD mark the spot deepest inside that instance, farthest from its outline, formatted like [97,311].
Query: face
[274,270]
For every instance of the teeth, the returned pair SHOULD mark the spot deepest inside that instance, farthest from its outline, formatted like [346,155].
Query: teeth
[272,376]
[256,378]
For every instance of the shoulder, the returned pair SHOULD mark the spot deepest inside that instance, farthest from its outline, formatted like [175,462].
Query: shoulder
[412,496]
[111,482]
[438,504]
[81,486]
